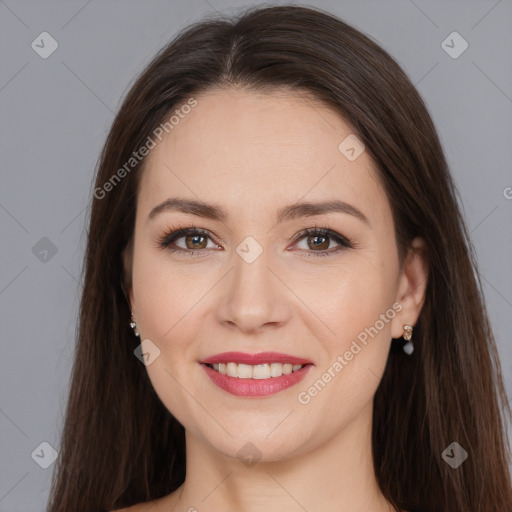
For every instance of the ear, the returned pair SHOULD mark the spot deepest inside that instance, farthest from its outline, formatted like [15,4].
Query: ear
[126,283]
[411,287]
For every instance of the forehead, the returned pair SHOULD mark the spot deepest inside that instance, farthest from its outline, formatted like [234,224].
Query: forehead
[253,152]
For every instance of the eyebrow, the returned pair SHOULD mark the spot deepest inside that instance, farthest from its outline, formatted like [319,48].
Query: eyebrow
[294,211]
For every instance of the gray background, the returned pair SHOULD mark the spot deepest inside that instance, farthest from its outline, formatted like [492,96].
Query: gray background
[55,114]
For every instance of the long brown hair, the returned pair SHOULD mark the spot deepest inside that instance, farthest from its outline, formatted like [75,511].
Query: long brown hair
[121,446]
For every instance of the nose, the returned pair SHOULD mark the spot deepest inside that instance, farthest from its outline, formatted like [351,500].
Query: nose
[253,296]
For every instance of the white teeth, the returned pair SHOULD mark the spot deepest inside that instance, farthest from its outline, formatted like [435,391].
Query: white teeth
[276,369]
[244,371]
[258,371]
[232,370]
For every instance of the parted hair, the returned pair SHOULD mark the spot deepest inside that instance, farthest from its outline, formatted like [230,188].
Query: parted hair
[121,446]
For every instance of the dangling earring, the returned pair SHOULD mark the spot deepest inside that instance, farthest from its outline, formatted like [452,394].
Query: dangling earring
[408,348]
[133,325]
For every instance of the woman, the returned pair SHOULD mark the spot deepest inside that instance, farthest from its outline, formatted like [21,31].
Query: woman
[281,309]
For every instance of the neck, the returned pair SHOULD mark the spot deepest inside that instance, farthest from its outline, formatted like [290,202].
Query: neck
[337,476]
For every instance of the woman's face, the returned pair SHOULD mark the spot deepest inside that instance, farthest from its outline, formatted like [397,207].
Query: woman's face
[248,283]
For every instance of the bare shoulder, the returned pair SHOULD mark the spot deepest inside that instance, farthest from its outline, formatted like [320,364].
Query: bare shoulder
[149,506]
[139,507]
[159,505]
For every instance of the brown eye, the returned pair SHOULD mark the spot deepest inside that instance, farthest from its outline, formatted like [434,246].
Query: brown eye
[318,242]
[195,241]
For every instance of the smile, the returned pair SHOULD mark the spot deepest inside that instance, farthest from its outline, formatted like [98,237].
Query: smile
[257,371]
[255,380]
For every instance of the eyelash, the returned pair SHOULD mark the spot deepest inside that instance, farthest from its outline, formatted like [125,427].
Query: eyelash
[169,237]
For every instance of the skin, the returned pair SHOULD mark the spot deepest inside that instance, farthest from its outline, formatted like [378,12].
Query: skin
[252,153]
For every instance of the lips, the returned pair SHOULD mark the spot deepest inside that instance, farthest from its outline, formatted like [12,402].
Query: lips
[254,359]
[255,388]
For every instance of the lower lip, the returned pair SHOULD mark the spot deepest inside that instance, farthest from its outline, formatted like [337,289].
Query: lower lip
[256,387]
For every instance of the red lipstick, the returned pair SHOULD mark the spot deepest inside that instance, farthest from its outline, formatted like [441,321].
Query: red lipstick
[251,387]
[261,358]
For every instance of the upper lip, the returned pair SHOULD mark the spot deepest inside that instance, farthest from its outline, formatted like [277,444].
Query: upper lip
[253,359]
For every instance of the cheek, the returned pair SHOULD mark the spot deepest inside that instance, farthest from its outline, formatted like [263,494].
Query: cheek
[367,294]
[165,299]
[354,358]
[357,309]
[164,291]
[348,296]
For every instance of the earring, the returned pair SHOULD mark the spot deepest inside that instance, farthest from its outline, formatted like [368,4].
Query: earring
[133,325]
[408,348]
